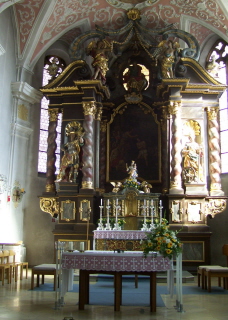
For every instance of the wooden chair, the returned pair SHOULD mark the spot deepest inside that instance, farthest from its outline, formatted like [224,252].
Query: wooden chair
[14,265]
[5,266]
[19,264]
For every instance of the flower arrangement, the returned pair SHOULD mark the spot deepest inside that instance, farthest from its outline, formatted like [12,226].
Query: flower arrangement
[131,183]
[163,240]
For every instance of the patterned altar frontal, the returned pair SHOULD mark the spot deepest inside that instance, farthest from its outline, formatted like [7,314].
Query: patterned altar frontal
[109,261]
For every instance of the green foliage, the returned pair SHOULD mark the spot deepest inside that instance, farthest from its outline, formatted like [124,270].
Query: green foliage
[162,240]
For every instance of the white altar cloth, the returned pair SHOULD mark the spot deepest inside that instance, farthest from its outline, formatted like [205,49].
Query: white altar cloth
[119,234]
[110,261]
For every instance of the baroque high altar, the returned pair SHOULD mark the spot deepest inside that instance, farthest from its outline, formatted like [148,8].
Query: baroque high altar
[135,97]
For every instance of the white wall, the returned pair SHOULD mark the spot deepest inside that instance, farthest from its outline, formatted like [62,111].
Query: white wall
[10,220]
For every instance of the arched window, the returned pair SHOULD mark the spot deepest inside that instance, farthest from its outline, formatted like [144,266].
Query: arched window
[217,66]
[53,66]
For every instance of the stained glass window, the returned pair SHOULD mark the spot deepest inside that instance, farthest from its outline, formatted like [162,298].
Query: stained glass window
[58,67]
[218,56]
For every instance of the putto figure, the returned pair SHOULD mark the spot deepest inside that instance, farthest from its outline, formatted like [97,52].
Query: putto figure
[100,52]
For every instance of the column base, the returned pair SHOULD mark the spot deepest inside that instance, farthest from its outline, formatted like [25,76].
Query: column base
[196,189]
[176,191]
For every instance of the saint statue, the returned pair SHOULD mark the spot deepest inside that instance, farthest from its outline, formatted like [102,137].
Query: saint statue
[70,161]
[192,155]
[100,51]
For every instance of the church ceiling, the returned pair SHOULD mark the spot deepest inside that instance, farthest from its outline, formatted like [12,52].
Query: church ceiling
[42,22]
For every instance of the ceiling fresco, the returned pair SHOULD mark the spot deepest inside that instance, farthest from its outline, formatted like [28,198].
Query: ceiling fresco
[42,22]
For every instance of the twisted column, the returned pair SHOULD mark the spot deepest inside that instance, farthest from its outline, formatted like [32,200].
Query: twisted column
[89,109]
[176,158]
[51,157]
[103,136]
[164,167]
[214,151]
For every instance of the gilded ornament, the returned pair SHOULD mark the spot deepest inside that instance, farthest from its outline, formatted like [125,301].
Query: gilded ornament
[215,206]
[50,187]
[191,125]
[53,114]
[212,113]
[89,108]
[174,107]
[134,14]
[99,113]
[103,126]
[87,184]
[49,205]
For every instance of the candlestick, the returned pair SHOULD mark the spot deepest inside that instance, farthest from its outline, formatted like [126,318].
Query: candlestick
[100,224]
[108,227]
[160,211]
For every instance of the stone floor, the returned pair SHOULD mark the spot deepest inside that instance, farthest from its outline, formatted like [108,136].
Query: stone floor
[17,302]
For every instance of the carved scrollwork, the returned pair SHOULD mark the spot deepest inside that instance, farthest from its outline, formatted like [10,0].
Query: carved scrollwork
[215,206]
[49,205]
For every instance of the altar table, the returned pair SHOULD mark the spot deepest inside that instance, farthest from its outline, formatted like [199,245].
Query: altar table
[116,264]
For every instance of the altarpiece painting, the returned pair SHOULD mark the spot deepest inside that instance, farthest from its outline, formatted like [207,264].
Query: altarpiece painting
[133,134]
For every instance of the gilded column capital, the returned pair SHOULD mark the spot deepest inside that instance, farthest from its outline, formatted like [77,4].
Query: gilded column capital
[53,114]
[174,107]
[103,126]
[99,113]
[212,113]
[89,108]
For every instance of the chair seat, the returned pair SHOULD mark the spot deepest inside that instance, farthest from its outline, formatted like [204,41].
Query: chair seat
[43,269]
[201,271]
[221,272]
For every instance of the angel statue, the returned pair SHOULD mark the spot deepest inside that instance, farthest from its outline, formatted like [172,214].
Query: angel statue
[146,186]
[166,56]
[100,51]
[117,186]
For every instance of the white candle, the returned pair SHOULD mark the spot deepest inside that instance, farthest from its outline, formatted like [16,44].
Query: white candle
[151,203]
[108,202]
[70,245]
[117,202]
[144,202]
[81,246]
[101,202]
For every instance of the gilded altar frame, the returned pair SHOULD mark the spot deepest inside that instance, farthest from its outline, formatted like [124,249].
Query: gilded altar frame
[85,210]
[67,210]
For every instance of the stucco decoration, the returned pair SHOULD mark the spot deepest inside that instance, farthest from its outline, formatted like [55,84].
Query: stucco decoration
[128,4]
[148,38]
